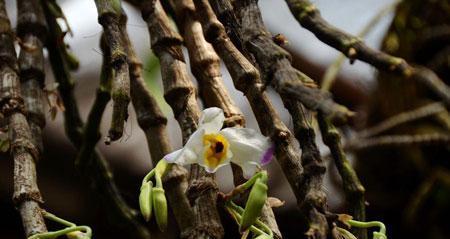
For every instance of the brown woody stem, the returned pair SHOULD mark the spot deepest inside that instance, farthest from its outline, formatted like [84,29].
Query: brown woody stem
[32,30]
[110,17]
[24,150]
[353,189]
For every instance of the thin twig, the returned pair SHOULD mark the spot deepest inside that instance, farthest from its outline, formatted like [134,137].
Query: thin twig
[24,151]
[398,140]
[354,48]
[331,73]
[404,117]
[353,189]
[61,70]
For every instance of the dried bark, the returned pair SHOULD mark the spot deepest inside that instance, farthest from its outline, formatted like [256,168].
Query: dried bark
[314,168]
[110,17]
[354,48]
[24,151]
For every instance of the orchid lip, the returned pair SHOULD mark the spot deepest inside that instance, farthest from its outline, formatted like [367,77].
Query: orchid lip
[268,155]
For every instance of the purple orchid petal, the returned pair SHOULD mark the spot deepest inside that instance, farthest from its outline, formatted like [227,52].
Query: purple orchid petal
[268,155]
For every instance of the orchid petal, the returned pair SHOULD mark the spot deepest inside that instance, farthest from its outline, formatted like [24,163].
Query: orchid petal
[212,120]
[250,148]
[190,153]
[182,156]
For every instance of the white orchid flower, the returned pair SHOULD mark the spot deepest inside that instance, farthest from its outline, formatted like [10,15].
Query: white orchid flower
[212,148]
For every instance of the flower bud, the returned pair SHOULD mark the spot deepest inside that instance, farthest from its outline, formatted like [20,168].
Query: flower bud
[160,207]
[255,203]
[145,200]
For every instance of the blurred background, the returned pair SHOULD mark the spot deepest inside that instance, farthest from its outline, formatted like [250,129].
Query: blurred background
[67,196]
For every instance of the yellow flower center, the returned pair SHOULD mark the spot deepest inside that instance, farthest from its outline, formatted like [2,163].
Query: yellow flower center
[216,149]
